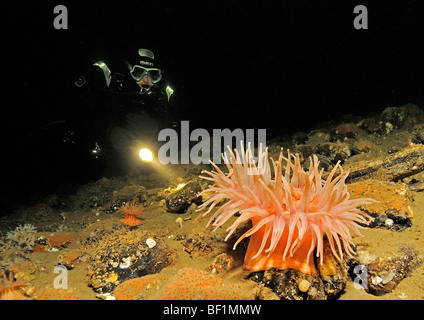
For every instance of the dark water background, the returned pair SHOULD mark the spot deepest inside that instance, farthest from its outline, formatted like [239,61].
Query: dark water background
[283,66]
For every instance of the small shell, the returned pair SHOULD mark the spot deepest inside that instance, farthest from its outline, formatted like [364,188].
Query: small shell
[105,296]
[389,222]
[387,277]
[126,264]
[376,280]
[150,243]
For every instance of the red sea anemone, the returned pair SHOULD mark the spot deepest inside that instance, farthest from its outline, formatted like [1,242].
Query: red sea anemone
[11,289]
[131,210]
[290,213]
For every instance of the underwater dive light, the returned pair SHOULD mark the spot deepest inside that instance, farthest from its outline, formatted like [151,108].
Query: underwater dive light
[146,155]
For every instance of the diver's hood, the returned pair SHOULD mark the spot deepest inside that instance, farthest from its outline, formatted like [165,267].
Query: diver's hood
[147,57]
[144,59]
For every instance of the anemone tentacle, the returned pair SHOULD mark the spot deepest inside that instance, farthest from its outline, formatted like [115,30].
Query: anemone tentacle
[291,209]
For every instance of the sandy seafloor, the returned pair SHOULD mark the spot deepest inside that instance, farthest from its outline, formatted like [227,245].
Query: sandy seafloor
[71,221]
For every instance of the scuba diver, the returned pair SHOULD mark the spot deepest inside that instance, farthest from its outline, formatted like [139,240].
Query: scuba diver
[112,116]
[143,72]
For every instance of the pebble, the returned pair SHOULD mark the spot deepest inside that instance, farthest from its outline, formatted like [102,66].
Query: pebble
[180,200]
[349,130]
[389,223]
[386,273]
[393,117]
[304,285]
[334,151]
[150,243]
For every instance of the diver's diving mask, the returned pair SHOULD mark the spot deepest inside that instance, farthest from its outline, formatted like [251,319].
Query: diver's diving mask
[138,72]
